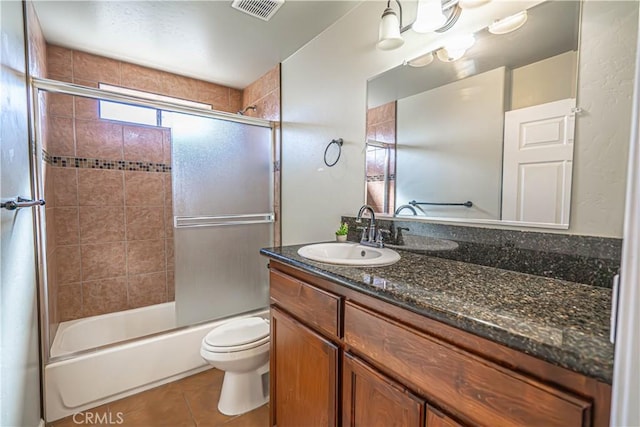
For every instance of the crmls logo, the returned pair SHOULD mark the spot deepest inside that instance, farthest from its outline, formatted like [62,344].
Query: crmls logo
[98,418]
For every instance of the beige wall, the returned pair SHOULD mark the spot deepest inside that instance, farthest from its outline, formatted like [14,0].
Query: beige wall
[549,80]
[324,96]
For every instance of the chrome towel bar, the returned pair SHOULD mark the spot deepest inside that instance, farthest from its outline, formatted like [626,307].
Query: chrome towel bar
[466,204]
[222,220]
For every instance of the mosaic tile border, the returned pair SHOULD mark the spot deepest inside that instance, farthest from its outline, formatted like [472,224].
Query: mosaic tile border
[122,165]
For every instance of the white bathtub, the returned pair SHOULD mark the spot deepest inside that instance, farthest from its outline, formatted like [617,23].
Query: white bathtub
[96,377]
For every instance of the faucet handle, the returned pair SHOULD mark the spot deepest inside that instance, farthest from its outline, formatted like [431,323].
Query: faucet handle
[364,230]
[381,235]
[398,236]
[382,232]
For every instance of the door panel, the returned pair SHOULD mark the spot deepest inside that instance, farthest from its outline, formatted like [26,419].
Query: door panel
[436,418]
[304,369]
[370,399]
[538,155]
[19,349]
[222,180]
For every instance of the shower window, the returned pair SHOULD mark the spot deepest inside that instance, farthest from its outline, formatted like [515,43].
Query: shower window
[128,113]
[121,112]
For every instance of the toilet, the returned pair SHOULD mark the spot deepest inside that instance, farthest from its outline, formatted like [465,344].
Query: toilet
[240,348]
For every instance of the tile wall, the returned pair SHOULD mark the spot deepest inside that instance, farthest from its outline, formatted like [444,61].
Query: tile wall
[109,204]
[264,93]
[109,211]
[381,127]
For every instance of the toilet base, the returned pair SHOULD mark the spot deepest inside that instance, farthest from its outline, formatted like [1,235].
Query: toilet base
[243,391]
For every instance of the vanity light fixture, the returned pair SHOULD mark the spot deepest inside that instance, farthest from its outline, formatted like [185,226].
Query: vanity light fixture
[429,16]
[508,24]
[389,36]
[421,61]
[455,48]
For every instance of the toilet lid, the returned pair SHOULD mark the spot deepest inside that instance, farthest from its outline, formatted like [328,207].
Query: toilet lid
[238,332]
[234,349]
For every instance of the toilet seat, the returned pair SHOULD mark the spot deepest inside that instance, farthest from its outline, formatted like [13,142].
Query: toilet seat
[237,335]
[230,349]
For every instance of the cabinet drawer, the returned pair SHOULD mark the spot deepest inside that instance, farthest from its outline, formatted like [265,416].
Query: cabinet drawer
[478,390]
[317,308]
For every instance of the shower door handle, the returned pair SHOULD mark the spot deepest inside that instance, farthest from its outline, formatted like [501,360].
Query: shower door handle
[21,202]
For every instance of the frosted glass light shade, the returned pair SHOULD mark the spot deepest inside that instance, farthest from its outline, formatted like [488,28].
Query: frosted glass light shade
[449,55]
[421,61]
[508,24]
[455,48]
[429,16]
[389,31]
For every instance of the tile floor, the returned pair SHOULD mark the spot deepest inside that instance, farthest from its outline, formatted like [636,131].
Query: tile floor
[192,402]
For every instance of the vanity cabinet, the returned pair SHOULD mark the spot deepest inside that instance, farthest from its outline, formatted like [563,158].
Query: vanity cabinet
[371,399]
[305,355]
[304,391]
[341,357]
[436,418]
[488,393]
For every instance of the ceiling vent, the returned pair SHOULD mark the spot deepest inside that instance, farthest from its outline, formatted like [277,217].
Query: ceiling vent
[263,9]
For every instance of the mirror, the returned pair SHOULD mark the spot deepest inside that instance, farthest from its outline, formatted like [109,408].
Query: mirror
[483,138]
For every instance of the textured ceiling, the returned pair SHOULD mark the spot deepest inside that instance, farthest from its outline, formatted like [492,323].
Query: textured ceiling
[207,40]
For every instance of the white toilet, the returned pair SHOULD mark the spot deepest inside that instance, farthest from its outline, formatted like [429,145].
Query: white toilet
[240,348]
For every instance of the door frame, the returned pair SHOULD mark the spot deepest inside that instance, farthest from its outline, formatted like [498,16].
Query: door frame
[626,369]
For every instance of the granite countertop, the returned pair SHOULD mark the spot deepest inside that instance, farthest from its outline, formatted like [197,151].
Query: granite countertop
[564,323]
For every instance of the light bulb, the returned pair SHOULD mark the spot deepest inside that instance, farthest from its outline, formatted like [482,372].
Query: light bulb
[449,55]
[429,16]
[455,47]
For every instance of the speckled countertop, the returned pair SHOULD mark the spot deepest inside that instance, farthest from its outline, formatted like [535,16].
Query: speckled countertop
[564,323]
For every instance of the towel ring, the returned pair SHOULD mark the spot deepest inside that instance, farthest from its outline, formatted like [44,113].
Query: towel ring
[332,152]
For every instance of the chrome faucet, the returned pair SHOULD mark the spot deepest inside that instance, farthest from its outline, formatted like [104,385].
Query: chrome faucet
[411,208]
[370,236]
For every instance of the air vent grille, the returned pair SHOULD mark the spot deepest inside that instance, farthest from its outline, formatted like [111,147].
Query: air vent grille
[263,9]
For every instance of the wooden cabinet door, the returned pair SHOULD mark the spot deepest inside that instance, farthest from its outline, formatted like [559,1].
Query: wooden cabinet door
[370,399]
[436,418]
[304,374]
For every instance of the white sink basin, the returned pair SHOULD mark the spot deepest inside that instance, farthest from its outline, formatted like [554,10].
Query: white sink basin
[353,254]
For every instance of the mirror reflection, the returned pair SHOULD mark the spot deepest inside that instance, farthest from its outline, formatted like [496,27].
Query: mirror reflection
[482,132]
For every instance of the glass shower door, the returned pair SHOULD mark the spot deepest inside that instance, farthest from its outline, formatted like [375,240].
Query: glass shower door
[222,215]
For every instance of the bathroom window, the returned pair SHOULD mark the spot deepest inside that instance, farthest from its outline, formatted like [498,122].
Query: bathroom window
[111,110]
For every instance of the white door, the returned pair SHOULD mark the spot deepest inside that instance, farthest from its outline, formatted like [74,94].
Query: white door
[537,163]
[19,349]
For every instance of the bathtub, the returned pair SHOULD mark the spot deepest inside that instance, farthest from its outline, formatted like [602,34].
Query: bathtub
[80,378]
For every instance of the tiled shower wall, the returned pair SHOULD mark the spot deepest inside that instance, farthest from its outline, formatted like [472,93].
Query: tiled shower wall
[109,207]
[381,127]
[264,93]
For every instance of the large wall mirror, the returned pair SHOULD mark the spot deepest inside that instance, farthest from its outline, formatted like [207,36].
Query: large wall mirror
[484,137]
